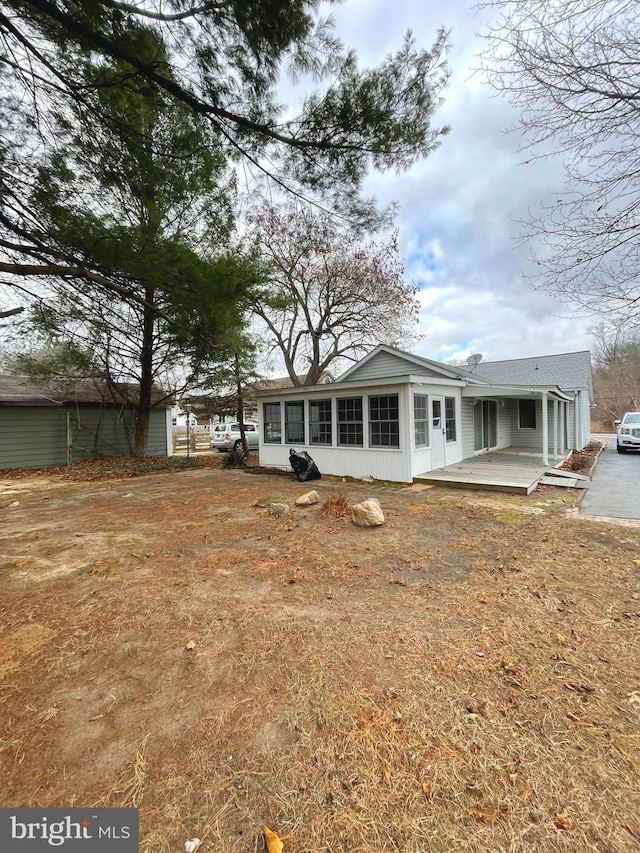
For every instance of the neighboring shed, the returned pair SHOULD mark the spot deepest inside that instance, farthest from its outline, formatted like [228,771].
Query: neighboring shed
[41,426]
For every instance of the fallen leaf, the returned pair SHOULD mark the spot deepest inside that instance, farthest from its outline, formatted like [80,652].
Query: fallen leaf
[426,789]
[480,815]
[562,639]
[636,595]
[634,697]
[190,645]
[513,778]
[483,600]
[273,841]
[563,821]
[621,749]
[386,772]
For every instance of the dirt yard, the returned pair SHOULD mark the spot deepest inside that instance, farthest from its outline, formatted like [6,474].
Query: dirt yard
[464,678]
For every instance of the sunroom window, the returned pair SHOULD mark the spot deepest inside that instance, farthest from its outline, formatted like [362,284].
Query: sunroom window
[384,423]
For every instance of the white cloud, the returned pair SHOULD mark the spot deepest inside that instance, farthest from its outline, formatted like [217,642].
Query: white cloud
[459,208]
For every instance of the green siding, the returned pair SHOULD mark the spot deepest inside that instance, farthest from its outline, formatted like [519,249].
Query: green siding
[37,436]
[33,436]
[157,438]
[99,432]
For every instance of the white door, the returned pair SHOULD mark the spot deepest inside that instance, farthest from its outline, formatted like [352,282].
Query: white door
[437,432]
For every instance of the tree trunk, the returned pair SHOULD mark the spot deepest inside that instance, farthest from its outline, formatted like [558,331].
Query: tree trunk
[143,409]
[243,435]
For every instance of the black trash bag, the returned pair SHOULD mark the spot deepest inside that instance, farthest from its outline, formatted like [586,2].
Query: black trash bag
[303,466]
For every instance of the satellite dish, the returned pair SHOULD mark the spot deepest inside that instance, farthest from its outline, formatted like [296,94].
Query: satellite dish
[475,358]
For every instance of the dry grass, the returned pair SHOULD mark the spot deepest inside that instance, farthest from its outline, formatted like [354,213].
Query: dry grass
[460,679]
[336,506]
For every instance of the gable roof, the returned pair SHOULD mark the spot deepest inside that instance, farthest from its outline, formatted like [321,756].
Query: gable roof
[412,361]
[569,370]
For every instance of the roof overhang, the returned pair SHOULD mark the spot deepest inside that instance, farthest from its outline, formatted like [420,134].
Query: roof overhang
[518,392]
[30,401]
[350,387]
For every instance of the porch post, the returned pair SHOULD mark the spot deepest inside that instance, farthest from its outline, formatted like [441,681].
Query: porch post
[563,415]
[555,427]
[545,429]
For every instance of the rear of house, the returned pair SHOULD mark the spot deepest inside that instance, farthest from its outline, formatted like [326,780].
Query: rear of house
[394,416]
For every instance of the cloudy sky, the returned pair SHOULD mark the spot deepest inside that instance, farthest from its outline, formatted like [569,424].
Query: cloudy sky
[459,207]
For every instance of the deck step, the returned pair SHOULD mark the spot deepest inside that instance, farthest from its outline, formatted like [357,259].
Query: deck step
[564,482]
[560,472]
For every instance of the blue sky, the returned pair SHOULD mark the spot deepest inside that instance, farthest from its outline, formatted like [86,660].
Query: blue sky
[459,208]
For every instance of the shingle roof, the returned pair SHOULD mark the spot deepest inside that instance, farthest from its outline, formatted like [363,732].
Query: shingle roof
[274,384]
[571,371]
[17,390]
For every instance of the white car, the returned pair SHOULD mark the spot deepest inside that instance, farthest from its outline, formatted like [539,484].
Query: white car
[628,432]
[227,436]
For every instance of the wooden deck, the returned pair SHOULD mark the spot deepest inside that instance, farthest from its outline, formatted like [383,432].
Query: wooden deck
[502,470]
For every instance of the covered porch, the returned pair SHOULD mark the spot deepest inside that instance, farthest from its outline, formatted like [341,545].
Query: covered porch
[506,470]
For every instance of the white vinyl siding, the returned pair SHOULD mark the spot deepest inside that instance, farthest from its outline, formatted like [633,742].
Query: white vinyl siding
[384,365]
[528,439]
[466,426]
[387,463]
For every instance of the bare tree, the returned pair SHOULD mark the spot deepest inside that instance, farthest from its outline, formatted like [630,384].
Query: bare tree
[616,374]
[329,296]
[572,68]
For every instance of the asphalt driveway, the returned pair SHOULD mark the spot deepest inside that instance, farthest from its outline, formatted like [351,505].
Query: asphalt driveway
[614,491]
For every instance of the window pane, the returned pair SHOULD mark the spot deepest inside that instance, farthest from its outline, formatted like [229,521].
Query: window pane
[294,422]
[450,418]
[420,420]
[272,426]
[437,413]
[320,431]
[527,414]
[350,429]
[384,428]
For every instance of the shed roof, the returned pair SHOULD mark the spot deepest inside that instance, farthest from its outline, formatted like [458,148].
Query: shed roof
[19,391]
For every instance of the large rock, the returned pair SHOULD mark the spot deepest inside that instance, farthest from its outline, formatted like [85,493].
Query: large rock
[309,498]
[368,513]
[268,499]
[277,509]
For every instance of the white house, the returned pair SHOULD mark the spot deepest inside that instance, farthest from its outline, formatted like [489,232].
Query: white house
[395,416]
[179,418]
